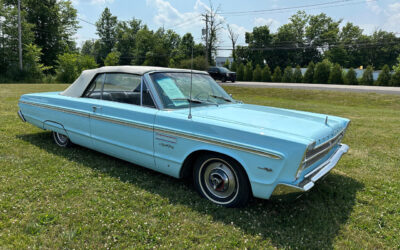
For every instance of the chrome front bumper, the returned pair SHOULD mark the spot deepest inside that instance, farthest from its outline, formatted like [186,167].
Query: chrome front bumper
[284,189]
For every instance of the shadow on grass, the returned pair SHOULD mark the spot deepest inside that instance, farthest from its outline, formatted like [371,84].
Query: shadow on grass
[313,220]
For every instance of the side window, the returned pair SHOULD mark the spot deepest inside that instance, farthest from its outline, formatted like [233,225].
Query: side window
[94,90]
[120,87]
[147,100]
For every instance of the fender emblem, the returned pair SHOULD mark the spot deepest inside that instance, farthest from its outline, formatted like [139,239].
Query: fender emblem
[266,169]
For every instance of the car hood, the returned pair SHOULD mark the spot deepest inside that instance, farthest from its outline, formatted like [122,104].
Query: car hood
[307,125]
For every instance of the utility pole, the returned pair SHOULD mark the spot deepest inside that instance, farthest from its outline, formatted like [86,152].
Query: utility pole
[205,34]
[19,35]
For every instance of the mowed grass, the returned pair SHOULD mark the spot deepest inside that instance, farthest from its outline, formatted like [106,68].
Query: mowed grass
[52,197]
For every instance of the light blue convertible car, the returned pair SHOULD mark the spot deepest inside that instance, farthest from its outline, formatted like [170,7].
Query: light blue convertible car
[182,123]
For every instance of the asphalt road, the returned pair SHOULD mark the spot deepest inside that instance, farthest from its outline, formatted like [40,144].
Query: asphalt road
[344,88]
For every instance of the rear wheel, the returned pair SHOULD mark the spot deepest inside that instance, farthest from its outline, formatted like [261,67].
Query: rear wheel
[221,180]
[61,140]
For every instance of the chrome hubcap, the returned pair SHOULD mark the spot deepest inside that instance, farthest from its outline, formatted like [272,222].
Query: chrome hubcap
[220,180]
[62,138]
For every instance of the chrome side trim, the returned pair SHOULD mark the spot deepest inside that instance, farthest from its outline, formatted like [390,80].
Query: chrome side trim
[162,130]
[21,116]
[309,180]
[56,108]
[220,143]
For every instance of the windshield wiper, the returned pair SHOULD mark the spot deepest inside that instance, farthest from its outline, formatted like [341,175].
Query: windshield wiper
[193,100]
[221,97]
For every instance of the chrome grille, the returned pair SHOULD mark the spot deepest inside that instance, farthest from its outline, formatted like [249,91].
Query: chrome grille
[322,150]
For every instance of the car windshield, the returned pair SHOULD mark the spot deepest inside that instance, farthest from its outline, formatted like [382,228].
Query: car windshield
[223,70]
[174,90]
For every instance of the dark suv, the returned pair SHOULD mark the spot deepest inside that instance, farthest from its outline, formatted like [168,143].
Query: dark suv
[221,73]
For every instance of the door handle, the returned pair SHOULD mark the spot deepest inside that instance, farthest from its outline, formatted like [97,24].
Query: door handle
[95,108]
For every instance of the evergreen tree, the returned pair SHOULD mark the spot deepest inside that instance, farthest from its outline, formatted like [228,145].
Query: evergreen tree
[257,74]
[233,66]
[248,72]
[367,77]
[384,76]
[240,72]
[351,77]
[322,72]
[336,76]
[395,80]
[297,76]
[287,74]
[106,30]
[309,75]
[277,76]
[266,74]
[227,64]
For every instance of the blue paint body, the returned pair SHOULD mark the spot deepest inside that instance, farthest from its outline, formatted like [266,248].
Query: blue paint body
[151,137]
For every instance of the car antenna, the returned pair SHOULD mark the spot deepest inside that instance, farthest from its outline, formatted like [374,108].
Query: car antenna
[191,83]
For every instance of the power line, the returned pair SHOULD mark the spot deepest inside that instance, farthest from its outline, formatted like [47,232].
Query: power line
[252,12]
[86,21]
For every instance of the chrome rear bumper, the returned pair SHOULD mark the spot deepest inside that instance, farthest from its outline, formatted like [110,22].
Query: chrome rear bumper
[21,116]
[283,189]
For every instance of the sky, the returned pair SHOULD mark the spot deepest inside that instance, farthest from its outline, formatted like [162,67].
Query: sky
[184,15]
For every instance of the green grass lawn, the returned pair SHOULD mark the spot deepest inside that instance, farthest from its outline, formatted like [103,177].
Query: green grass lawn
[52,197]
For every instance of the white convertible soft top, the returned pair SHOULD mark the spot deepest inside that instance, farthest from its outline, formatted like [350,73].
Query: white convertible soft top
[77,88]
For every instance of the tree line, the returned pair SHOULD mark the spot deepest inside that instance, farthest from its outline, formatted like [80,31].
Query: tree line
[50,52]
[321,72]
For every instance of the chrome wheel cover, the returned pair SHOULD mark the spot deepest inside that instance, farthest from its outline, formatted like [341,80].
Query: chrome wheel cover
[219,179]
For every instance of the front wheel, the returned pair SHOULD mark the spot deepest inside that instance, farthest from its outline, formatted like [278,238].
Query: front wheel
[61,140]
[221,180]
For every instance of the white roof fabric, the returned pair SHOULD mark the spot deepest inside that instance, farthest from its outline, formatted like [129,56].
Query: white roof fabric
[77,88]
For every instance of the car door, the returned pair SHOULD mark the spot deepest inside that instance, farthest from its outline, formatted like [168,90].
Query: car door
[121,125]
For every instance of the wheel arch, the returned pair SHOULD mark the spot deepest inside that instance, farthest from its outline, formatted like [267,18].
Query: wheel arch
[188,164]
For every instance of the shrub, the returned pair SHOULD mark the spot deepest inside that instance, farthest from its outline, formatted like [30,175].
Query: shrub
[248,72]
[85,62]
[227,64]
[257,74]
[240,72]
[277,76]
[297,76]
[266,74]
[309,75]
[395,80]
[322,71]
[33,69]
[112,59]
[367,77]
[384,76]
[67,67]
[199,63]
[233,66]
[336,76]
[287,74]
[351,77]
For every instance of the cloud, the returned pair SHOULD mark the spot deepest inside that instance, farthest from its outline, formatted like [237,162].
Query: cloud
[94,2]
[373,6]
[393,17]
[271,23]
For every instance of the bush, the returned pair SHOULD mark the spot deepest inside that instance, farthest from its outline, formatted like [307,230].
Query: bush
[257,74]
[266,74]
[112,59]
[384,76]
[70,66]
[395,80]
[240,72]
[287,74]
[199,63]
[351,77]
[367,77]
[322,71]
[248,72]
[277,76]
[309,75]
[233,66]
[33,69]
[297,76]
[336,75]
[227,64]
